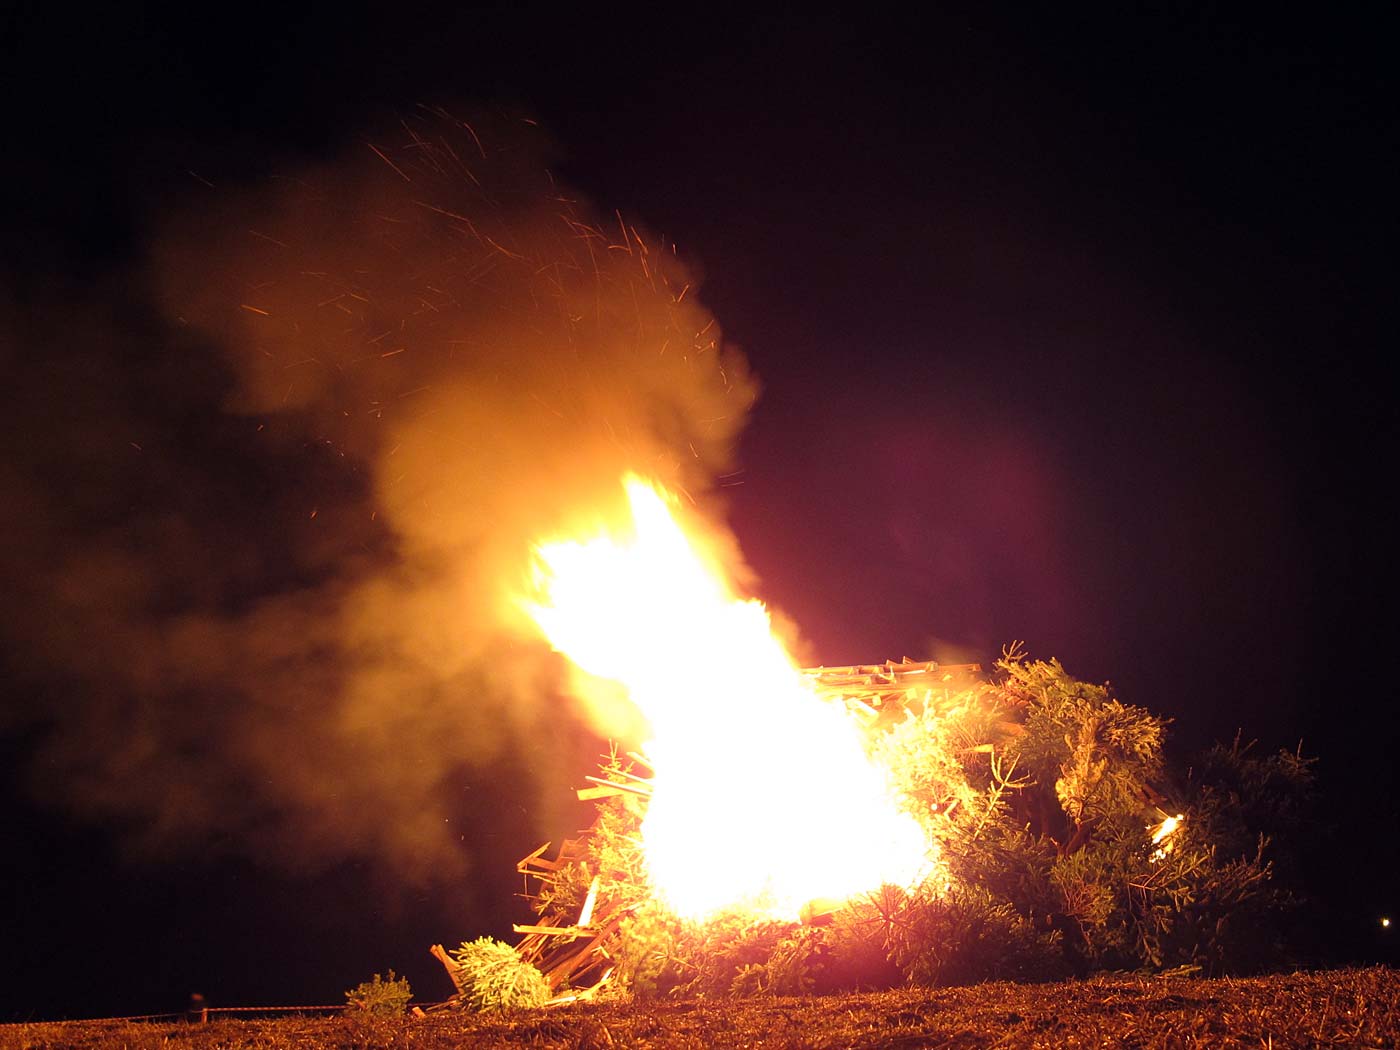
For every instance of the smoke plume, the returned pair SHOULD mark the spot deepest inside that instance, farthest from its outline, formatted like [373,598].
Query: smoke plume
[267,503]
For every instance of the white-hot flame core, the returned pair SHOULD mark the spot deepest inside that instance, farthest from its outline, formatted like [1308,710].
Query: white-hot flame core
[763,796]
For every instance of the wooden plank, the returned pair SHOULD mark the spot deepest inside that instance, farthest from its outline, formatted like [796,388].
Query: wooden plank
[572,963]
[453,970]
[555,931]
[633,789]
[585,916]
[589,794]
[537,860]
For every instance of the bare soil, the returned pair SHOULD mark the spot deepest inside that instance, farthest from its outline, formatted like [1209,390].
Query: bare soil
[1340,1008]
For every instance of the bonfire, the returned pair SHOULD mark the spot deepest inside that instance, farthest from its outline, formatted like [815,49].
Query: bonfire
[788,829]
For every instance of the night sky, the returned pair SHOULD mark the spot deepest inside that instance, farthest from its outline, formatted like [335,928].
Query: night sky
[1070,328]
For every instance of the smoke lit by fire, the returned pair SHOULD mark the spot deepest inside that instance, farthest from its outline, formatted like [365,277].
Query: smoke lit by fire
[763,796]
[266,497]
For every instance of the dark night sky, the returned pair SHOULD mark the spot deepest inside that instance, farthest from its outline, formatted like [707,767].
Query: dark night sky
[1071,329]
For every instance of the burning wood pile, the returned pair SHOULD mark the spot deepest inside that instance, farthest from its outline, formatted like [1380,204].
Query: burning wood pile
[798,830]
[575,950]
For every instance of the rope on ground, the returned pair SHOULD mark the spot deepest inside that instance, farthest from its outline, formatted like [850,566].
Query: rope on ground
[180,1015]
[193,1015]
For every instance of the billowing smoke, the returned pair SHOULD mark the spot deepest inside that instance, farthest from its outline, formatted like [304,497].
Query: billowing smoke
[266,505]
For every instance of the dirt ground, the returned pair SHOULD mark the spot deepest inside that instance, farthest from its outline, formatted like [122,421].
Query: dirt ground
[1340,1008]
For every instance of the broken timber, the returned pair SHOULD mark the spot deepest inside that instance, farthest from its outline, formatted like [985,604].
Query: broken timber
[886,691]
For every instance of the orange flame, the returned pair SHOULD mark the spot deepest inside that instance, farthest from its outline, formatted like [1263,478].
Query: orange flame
[763,797]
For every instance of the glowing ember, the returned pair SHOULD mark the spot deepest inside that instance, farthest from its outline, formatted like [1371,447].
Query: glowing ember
[763,797]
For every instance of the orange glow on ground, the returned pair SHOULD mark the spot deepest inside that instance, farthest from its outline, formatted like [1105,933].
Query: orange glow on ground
[763,798]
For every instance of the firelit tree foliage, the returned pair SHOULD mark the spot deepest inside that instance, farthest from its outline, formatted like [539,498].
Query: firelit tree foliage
[1048,805]
[380,997]
[1100,756]
[613,856]
[491,976]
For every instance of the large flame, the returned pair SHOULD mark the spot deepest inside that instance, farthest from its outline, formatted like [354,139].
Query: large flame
[763,796]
